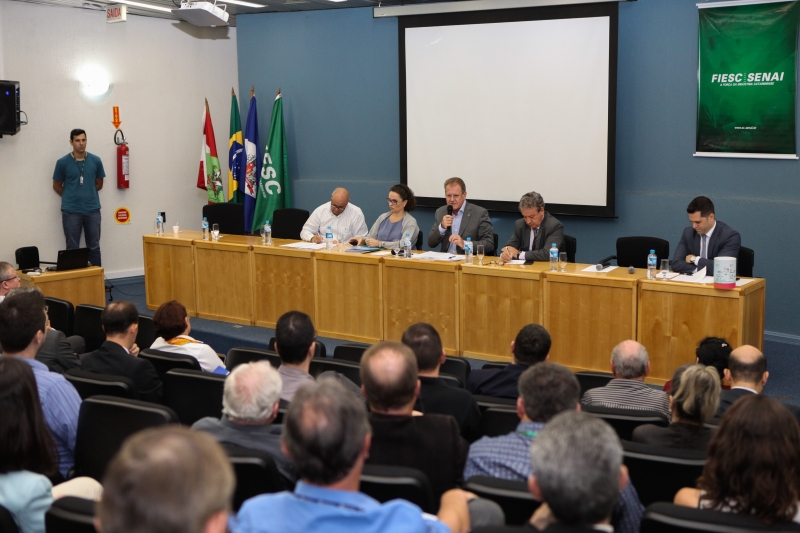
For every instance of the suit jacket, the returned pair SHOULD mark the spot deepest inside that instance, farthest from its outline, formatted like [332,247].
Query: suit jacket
[57,353]
[551,231]
[437,396]
[729,397]
[475,224]
[724,242]
[497,382]
[111,358]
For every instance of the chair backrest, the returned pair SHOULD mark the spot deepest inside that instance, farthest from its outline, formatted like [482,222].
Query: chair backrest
[570,246]
[350,352]
[166,361]
[669,518]
[147,332]
[452,380]
[288,223]
[592,380]
[496,421]
[512,496]
[659,473]
[418,244]
[88,325]
[104,422]
[89,384]
[485,402]
[61,314]
[495,239]
[385,483]
[745,262]
[7,523]
[229,216]
[27,257]
[239,356]
[70,515]
[498,366]
[319,351]
[255,472]
[193,394]
[348,369]
[633,251]
[458,367]
[624,421]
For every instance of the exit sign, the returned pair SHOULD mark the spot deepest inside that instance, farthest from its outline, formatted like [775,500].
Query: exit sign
[116,13]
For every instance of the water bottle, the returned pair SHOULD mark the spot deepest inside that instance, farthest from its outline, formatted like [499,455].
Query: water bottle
[407,245]
[267,233]
[159,225]
[554,258]
[329,239]
[468,251]
[205,229]
[652,263]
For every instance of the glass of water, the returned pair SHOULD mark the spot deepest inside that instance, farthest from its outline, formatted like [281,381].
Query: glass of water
[562,261]
[479,251]
[664,268]
[215,231]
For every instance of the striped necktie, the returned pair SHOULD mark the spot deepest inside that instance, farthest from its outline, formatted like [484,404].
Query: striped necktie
[703,247]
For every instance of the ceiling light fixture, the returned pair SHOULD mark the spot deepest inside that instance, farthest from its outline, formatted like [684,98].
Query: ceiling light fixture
[246,4]
[145,6]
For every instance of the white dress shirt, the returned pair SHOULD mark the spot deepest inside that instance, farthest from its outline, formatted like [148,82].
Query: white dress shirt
[350,223]
[708,240]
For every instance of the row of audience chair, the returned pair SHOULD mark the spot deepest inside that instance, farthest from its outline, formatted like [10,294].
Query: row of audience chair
[84,320]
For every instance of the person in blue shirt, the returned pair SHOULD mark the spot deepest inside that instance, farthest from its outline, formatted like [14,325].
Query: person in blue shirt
[77,178]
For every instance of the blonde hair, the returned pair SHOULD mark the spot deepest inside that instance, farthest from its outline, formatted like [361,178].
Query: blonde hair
[697,395]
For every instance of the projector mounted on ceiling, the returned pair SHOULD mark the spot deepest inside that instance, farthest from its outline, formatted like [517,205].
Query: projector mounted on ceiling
[202,13]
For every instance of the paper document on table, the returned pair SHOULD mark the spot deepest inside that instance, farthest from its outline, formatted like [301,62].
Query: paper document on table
[593,268]
[668,275]
[361,249]
[516,262]
[437,256]
[697,277]
[740,282]
[304,245]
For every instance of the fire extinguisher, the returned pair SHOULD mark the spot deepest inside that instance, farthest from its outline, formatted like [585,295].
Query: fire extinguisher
[123,165]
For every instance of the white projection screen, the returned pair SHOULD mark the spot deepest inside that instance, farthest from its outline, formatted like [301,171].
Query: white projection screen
[512,101]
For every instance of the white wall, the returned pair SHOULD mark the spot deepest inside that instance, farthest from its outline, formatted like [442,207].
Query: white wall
[160,72]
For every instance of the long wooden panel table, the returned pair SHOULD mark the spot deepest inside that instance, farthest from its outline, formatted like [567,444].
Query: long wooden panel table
[169,269]
[224,278]
[283,280]
[80,286]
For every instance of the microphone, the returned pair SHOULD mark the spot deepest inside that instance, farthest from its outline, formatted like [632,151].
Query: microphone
[631,270]
[601,266]
[450,210]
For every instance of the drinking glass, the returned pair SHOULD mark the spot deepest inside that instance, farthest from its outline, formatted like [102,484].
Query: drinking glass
[479,251]
[664,268]
[562,261]
[215,231]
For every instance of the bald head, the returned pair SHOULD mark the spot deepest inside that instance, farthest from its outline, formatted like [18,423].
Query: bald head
[747,366]
[390,377]
[629,360]
[339,200]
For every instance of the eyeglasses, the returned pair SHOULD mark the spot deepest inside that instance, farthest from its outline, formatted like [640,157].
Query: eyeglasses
[454,196]
[10,279]
[338,207]
[497,263]
[392,201]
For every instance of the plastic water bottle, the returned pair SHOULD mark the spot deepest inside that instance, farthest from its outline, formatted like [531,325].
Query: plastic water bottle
[267,233]
[652,263]
[205,229]
[468,251]
[407,245]
[554,258]
[159,225]
[329,239]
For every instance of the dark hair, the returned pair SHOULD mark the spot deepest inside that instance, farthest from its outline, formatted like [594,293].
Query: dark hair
[424,341]
[406,194]
[386,392]
[27,443]
[749,372]
[702,204]
[531,345]
[714,351]
[21,317]
[324,431]
[118,316]
[294,334]
[170,320]
[547,389]
[753,464]
[456,181]
[74,133]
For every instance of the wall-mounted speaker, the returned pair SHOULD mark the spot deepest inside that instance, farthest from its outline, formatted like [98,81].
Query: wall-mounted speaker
[9,107]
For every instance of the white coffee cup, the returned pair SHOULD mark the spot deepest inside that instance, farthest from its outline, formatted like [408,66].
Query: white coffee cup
[176,229]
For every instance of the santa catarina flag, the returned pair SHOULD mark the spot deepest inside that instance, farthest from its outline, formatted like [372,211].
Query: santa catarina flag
[274,190]
[209,176]
[249,185]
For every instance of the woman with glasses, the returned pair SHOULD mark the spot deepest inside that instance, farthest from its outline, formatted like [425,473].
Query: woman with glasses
[390,228]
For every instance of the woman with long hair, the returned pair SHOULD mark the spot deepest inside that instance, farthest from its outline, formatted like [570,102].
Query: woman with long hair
[390,228]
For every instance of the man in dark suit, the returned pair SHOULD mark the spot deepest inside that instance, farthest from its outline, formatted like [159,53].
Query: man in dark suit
[118,355]
[706,239]
[467,221]
[535,233]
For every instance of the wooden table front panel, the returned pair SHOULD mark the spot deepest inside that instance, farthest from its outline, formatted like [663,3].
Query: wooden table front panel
[81,286]
[495,304]
[421,291]
[223,273]
[283,281]
[169,269]
[348,298]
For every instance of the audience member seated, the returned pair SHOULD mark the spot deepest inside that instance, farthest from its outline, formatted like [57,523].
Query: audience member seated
[753,464]
[578,474]
[712,351]
[545,390]
[629,365]
[694,401]
[295,343]
[22,324]
[165,480]
[9,279]
[327,435]
[249,406]
[118,354]
[437,395]
[430,443]
[531,346]
[172,326]
[28,452]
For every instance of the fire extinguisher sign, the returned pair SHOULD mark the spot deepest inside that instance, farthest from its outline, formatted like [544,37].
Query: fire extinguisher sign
[122,215]
[116,122]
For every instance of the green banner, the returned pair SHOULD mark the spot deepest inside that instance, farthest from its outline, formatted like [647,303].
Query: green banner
[274,189]
[746,78]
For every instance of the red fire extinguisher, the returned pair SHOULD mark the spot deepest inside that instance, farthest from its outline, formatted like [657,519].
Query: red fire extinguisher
[123,165]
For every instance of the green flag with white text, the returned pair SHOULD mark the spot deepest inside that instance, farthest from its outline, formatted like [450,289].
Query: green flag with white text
[274,189]
[747,79]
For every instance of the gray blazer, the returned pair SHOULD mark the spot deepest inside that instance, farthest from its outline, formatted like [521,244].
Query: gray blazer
[409,226]
[475,224]
[551,231]
[56,352]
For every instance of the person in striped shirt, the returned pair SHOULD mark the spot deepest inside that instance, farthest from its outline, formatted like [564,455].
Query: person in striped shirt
[345,219]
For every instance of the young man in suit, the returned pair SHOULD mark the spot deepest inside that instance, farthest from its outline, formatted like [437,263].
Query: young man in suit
[535,233]
[706,239]
[466,221]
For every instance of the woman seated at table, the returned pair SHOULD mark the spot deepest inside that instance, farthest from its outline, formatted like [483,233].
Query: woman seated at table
[694,402]
[753,465]
[172,326]
[390,228]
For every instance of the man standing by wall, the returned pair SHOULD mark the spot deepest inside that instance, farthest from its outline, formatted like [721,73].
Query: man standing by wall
[77,178]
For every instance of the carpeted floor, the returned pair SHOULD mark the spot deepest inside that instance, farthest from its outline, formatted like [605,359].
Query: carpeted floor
[783,358]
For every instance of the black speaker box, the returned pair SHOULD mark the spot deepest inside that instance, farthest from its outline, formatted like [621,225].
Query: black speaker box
[9,107]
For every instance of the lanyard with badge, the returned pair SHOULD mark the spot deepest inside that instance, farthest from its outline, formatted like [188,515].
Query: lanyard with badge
[80,168]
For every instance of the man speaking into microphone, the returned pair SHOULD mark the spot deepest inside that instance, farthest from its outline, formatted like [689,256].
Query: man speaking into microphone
[458,220]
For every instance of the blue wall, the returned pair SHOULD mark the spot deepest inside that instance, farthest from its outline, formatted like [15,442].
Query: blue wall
[338,72]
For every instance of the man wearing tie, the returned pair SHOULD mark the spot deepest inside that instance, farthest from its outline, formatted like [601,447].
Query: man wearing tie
[535,233]
[706,239]
[458,220]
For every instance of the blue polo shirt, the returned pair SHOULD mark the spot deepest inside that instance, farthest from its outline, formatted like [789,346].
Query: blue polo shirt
[77,197]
